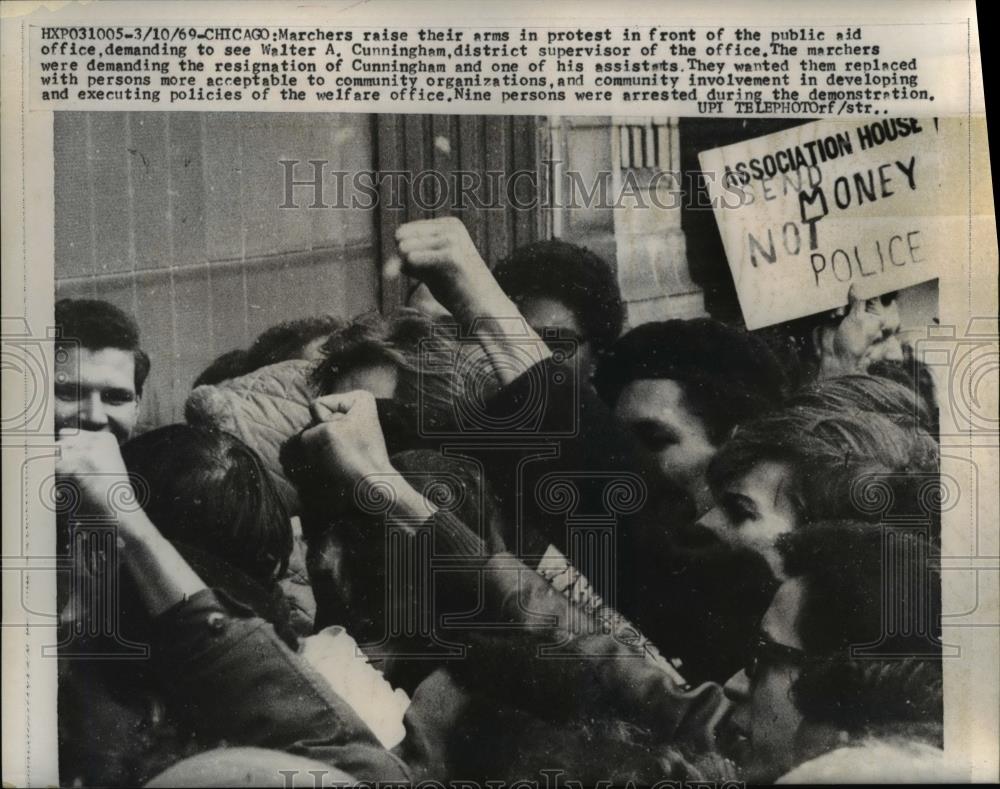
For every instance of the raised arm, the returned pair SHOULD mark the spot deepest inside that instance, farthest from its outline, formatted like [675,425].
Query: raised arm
[91,463]
[440,253]
[226,672]
[549,654]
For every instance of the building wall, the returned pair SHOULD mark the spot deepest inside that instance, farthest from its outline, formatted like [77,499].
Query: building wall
[175,218]
[172,216]
[614,190]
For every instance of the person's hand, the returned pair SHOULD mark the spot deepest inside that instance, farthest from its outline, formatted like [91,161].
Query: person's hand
[888,347]
[856,341]
[91,464]
[347,441]
[347,438]
[440,253]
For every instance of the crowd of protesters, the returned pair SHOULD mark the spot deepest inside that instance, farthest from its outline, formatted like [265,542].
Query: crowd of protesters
[495,537]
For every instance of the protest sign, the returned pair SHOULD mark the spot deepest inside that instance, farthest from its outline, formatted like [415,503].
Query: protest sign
[808,212]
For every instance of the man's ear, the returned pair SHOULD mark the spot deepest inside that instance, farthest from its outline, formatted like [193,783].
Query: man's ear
[822,341]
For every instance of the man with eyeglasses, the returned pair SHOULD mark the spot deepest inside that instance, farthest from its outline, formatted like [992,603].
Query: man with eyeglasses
[805,689]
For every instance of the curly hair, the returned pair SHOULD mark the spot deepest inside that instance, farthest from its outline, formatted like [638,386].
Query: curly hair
[727,375]
[96,324]
[571,275]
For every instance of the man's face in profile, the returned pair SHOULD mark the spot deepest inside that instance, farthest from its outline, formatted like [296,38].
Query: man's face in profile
[761,731]
[95,390]
[657,413]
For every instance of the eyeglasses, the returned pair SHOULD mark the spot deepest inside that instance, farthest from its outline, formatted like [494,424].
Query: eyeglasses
[764,650]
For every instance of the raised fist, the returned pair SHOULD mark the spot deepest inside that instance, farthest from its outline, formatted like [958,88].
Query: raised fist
[347,438]
[91,462]
[440,253]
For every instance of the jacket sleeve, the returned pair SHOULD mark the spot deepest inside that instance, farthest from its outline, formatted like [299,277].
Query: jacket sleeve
[566,662]
[586,446]
[231,678]
[667,571]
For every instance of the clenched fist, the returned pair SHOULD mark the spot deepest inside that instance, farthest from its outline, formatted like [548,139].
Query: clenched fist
[347,438]
[347,441]
[440,253]
[91,462]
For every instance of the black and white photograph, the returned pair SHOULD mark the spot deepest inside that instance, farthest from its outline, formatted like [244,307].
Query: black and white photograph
[453,457]
[461,449]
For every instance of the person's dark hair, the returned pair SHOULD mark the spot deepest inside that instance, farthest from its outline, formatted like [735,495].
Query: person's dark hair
[728,376]
[96,324]
[368,339]
[843,567]
[571,275]
[287,340]
[829,453]
[410,341]
[347,549]
[208,489]
[231,364]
